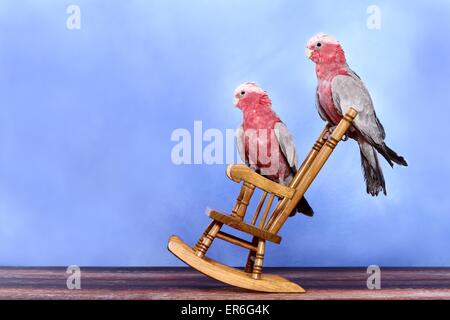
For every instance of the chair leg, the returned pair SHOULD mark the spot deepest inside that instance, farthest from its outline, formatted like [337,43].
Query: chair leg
[200,240]
[251,257]
[208,239]
[259,258]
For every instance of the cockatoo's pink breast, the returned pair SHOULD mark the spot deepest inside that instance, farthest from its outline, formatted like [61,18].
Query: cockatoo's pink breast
[259,128]
[325,75]
[327,103]
[259,135]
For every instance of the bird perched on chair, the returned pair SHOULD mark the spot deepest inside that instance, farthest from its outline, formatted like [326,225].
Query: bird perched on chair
[263,140]
[340,88]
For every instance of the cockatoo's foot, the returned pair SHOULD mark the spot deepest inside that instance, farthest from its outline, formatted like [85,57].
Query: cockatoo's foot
[329,133]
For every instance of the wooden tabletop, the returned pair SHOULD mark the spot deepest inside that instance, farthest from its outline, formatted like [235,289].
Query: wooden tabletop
[183,283]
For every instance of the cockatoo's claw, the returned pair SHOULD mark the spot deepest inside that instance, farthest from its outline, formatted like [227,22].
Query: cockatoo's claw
[328,133]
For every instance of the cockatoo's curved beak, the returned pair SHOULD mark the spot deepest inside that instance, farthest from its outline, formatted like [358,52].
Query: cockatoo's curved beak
[308,53]
[236,101]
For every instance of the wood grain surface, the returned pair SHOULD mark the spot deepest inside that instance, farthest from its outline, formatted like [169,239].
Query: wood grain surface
[184,283]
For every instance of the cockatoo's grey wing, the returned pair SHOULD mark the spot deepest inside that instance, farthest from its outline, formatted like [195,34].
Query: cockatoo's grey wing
[349,92]
[287,144]
[355,76]
[319,108]
[240,142]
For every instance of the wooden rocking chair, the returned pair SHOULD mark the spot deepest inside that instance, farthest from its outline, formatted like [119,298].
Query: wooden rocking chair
[268,226]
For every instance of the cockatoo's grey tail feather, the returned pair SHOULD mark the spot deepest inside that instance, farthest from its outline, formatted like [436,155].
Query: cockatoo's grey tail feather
[303,207]
[373,175]
[391,156]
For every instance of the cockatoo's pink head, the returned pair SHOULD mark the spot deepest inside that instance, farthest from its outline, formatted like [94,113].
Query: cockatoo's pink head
[324,49]
[249,95]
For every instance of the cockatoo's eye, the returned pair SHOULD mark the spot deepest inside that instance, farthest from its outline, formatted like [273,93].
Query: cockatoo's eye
[319,44]
[242,93]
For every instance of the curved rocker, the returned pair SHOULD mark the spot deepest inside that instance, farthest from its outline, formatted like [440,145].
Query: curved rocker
[263,227]
[228,275]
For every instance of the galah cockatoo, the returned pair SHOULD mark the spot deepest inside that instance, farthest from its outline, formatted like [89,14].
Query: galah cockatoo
[263,140]
[340,88]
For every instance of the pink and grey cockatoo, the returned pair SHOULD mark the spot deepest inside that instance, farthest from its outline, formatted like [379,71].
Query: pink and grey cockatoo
[263,140]
[340,88]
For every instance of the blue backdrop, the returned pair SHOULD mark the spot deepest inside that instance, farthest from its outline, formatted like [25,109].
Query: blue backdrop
[86,118]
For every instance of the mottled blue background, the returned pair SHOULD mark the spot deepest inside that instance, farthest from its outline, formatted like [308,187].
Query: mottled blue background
[86,117]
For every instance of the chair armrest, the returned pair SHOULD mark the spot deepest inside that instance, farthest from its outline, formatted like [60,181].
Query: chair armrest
[240,172]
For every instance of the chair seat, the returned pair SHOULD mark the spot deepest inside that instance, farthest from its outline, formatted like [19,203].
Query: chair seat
[242,226]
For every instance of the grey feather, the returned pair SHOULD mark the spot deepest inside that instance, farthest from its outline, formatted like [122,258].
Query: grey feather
[349,92]
[319,107]
[373,175]
[287,144]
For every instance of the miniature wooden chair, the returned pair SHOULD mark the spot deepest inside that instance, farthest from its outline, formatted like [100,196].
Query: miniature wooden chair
[268,225]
